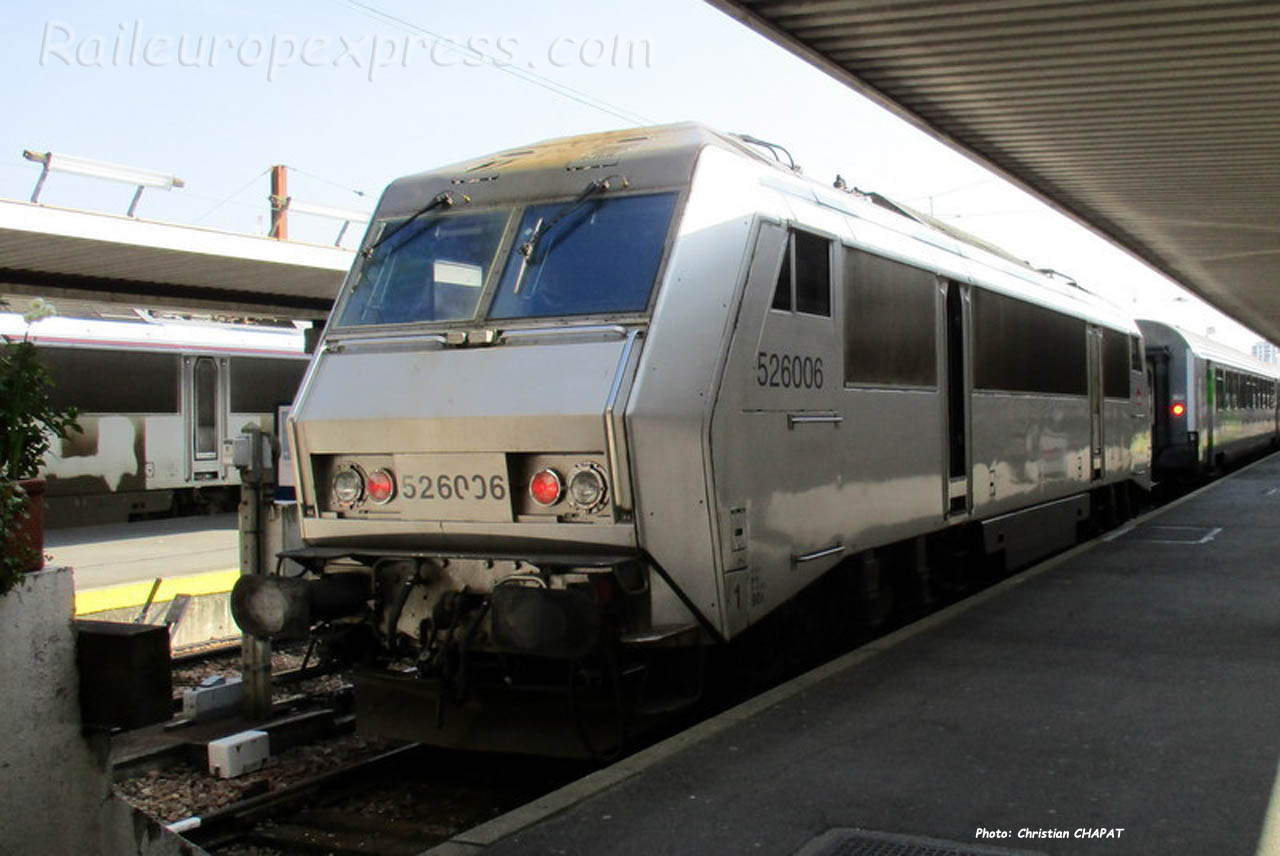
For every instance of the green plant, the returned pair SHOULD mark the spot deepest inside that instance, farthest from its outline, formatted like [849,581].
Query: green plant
[29,422]
[15,555]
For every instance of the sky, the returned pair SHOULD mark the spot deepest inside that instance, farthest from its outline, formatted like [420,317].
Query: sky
[350,94]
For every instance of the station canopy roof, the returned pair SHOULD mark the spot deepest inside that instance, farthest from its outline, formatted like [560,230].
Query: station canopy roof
[1154,122]
[67,254]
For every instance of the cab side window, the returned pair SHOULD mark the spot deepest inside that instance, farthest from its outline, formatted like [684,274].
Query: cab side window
[804,281]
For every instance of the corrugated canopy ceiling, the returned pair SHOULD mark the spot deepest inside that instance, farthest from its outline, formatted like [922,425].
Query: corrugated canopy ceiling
[1155,122]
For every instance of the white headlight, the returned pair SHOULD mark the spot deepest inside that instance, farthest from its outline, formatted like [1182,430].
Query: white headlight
[587,490]
[348,486]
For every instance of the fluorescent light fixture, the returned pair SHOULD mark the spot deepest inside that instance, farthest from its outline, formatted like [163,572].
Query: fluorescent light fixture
[141,178]
[346,215]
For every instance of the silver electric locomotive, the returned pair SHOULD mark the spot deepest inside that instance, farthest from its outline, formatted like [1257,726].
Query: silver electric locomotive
[587,408]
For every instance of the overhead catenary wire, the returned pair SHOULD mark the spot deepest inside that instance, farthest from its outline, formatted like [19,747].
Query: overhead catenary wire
[327,181]
[233,195]
[526,75]
[228,200]
[967,186]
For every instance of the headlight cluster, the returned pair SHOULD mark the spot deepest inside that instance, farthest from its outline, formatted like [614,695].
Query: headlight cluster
[352,487]
[586,489]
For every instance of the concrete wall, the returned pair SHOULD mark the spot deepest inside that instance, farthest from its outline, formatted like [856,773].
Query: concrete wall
[55,794]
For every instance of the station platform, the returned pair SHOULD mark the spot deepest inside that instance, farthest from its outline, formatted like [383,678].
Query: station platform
[195,559]
[116,565]
[1121,698]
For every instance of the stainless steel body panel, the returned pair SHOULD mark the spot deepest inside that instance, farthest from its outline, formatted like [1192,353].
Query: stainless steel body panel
[1028,449]
[669,411]
[508,398]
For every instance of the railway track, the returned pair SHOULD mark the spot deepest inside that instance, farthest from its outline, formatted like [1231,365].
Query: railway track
[400,802]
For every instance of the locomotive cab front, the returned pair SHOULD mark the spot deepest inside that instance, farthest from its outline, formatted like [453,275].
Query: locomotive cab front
[462,441]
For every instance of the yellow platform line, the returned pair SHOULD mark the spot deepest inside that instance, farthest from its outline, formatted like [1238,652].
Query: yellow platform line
[135,594]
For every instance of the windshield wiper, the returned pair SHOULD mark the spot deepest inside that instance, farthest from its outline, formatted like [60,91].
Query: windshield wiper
[543,226]
[441,200]
[601,185]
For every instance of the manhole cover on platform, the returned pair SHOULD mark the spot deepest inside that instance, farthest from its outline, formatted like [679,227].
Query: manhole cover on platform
[862,842]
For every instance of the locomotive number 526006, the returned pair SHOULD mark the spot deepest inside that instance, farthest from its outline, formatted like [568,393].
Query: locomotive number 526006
[450,486]
[788,371]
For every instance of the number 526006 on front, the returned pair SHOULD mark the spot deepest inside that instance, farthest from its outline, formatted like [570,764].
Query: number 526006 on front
[469,486]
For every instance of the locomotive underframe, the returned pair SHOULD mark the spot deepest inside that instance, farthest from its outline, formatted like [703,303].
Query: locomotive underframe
[464,641]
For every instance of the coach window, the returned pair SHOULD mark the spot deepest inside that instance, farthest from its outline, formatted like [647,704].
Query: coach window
[1135,354]
[889,322]
[259,384]
[104,381]
[1219,390]
[804,281]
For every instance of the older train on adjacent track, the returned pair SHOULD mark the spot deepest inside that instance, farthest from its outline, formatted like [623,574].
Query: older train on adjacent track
[587,408]
[157,398]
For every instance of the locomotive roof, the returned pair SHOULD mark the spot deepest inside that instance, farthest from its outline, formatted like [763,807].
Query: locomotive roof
[664,156]
[661,156]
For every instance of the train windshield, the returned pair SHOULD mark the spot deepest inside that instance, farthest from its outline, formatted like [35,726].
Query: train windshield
[434,271]
[594,258]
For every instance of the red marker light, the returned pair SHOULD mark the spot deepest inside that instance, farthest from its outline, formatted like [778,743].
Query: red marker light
[381,486]
[545,487]
[1178,408]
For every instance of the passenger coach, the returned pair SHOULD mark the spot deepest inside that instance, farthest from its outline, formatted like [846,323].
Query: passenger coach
[1213,405]
[157,398]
